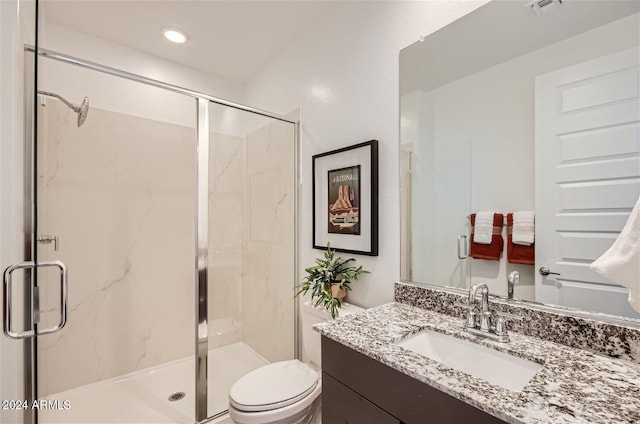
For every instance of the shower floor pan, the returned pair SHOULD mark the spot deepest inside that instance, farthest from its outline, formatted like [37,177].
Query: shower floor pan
[143,396]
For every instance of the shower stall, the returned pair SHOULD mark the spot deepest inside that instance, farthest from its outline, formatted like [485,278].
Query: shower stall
[160,245]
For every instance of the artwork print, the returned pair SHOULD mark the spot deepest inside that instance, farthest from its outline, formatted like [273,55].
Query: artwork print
[343,212]
[345,199]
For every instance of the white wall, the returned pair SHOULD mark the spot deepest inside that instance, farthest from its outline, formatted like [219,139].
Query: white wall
[343,73]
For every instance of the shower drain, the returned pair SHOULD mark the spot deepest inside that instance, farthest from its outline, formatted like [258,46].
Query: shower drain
[176,396]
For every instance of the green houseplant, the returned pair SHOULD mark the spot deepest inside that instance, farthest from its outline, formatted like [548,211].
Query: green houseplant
[329,280]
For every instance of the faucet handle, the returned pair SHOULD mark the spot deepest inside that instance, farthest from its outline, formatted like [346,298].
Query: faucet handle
[471,314]
[501,323]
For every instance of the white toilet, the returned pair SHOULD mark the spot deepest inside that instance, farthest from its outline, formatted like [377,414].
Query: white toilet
[284,392]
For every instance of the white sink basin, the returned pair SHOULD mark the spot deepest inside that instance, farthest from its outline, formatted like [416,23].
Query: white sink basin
[501,369]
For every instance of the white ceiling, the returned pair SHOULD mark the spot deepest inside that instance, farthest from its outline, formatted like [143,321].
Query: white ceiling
[231,39]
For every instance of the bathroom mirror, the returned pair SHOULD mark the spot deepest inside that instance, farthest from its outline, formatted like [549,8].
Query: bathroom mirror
[523,106]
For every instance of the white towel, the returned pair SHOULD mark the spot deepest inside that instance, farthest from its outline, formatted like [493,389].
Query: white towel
[483,229]
[621,263]
[523,228]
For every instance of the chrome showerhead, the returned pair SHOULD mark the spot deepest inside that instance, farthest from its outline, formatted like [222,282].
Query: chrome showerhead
[81,110]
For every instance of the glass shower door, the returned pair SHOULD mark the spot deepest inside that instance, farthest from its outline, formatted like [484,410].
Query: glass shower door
[115,202]
[114,158]
[16,85]
[251,257]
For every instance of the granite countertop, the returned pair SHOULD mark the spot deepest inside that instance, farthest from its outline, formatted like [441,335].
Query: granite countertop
[573,385]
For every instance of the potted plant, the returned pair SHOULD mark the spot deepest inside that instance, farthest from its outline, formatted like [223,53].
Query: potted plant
[329,280]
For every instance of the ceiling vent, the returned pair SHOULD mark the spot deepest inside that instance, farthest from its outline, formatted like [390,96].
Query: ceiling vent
[542,7]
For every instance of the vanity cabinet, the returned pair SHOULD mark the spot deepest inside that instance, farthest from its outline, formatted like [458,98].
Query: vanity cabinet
[357,389]
[343,405]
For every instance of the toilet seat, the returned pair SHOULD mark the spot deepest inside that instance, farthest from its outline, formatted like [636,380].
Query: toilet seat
[296,413]
[273,386]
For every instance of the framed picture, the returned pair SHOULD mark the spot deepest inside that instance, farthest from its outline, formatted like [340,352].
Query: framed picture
[345,199]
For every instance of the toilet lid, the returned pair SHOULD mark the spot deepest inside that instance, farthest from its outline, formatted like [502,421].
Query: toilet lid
[273,386]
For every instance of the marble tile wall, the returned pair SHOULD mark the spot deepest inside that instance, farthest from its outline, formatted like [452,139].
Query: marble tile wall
[227,178]
[268,275]
[108,190]
[125,219]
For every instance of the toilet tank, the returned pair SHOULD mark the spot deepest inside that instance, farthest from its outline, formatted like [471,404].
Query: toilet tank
[310,337]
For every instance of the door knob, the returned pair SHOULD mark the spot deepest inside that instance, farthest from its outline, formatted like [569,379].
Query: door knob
[546,271]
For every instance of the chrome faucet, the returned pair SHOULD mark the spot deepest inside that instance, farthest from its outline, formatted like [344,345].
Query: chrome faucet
[474,289]
[512,280]
[484,329]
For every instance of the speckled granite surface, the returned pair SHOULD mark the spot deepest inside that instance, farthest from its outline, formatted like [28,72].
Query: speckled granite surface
[573,386]
[619,340]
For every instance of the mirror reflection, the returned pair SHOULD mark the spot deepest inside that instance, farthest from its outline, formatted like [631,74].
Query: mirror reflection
[532,111]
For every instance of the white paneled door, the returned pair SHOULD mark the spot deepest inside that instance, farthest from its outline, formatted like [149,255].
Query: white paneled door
[587,176]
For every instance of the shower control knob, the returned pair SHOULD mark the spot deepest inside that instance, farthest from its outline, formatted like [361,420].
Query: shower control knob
[47,239]
[546,271]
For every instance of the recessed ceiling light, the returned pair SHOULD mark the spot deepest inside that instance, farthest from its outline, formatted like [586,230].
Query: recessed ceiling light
[174,35]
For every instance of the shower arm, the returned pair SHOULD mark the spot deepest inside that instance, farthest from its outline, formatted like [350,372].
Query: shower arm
[76,109]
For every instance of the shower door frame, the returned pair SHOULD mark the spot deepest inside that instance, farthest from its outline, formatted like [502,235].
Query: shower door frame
[202,214]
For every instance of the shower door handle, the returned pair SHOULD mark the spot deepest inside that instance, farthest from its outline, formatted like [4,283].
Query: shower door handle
[7,286]
[462,247]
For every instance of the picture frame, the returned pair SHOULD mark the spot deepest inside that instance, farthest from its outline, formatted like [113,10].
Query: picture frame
[345,199]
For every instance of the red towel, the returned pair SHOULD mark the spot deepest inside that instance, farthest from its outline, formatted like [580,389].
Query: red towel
[518,253]
[488,251]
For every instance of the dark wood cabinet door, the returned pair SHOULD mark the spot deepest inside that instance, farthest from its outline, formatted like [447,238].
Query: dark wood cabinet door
[407,399]
[341,405]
